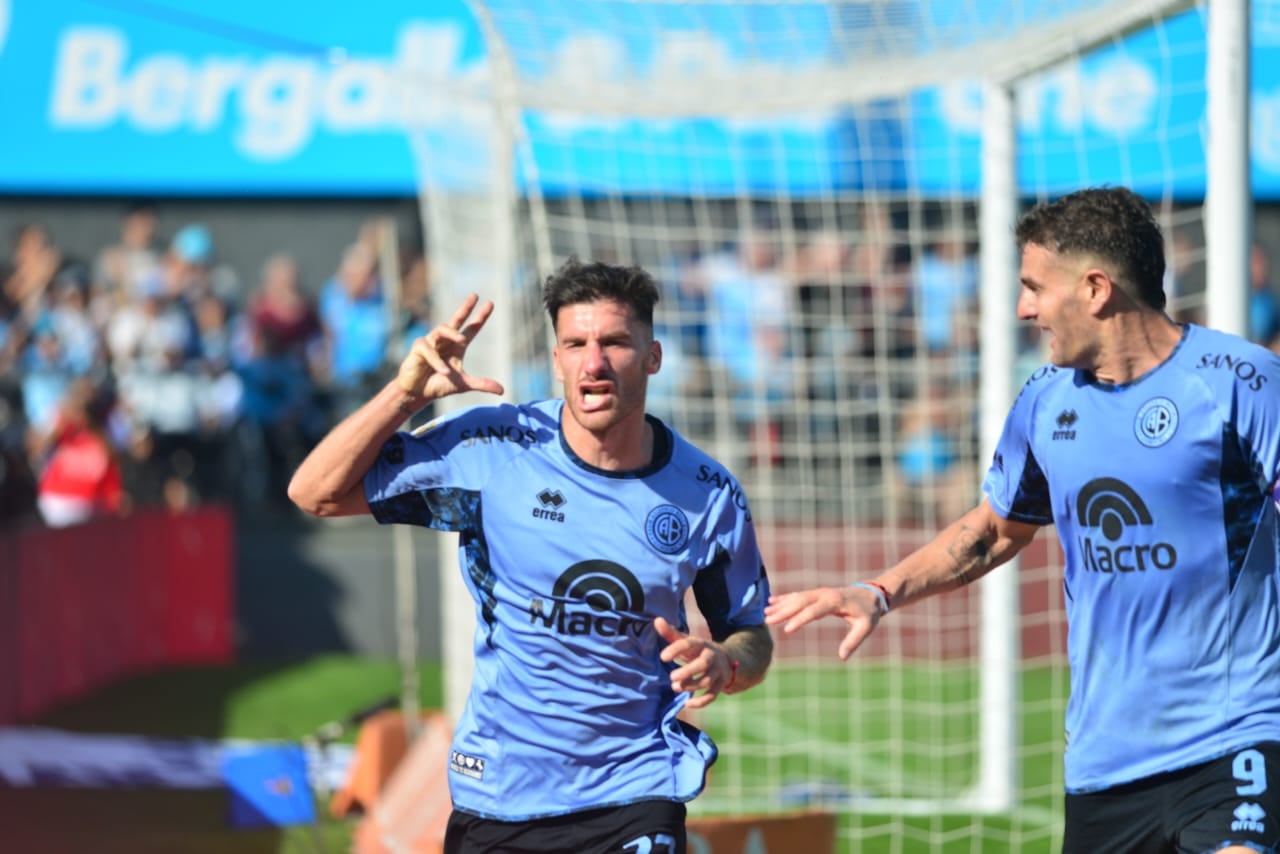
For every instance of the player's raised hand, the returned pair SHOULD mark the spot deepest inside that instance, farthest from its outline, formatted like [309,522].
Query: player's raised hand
[856,607]
[705,666]
[433,367]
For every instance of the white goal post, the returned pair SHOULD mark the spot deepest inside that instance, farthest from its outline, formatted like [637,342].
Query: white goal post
[858,147]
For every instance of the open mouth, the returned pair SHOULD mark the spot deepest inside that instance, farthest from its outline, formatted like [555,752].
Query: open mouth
[595,396]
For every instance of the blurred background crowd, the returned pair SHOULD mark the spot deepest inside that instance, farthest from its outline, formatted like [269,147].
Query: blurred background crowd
[153,374]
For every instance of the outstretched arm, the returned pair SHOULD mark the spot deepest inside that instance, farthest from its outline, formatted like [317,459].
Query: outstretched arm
[728,666]
[968,549]
[328,482]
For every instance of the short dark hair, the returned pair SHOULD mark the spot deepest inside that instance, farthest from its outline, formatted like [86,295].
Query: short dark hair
[1112,223]
[577,282]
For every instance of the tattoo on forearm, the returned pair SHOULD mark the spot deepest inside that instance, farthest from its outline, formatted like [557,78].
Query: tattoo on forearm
[970,555]
[754,649]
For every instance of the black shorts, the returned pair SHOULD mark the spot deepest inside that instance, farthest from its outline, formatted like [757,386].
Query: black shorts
[1232,800]
[648,827]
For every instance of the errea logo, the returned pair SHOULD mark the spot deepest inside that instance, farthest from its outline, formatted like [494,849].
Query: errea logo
[1066,424]
[1117,511]
[1249,817]
[550,501]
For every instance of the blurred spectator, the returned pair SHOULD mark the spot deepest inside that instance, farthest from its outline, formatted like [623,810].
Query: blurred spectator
[946,295]
[45,376]
[72,324]
[881,265]
[279,307]
[415,302]
[25,280]
[140,332]
[935,473]
[680,393]
[215,333]
[836,339]
[280,420]
[80,476]
[354,315]
[831,309]
[750,321]
[121,268]
[187,274]
[374,232]
[166,405]
[1264,307]
[686,309]
[193,270]
[225,345]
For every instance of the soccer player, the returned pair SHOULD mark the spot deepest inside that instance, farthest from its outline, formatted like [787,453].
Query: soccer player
[583,522]
[1153,447]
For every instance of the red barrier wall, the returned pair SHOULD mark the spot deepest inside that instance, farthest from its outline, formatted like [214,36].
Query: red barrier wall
[83,606]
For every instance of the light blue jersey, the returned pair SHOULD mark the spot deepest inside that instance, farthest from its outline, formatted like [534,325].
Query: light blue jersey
[1161,493]
[570,706]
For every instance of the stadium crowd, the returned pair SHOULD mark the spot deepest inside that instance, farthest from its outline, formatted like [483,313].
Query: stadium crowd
[148,376]
[152,374]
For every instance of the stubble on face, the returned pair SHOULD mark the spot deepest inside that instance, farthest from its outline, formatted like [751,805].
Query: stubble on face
[1052,281]
[601,356]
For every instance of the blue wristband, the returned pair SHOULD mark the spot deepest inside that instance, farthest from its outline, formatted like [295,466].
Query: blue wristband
[880,594]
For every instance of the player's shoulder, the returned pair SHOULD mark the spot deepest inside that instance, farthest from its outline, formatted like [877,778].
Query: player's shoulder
[1202,340]
[502,424]
[703,474]
[1222,359]
[687,457]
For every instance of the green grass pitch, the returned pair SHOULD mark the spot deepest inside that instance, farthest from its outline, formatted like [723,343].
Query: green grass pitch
[854,750]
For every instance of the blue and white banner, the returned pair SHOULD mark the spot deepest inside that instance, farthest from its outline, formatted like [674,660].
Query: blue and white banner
[1132,113]
[245,97]
[238,97]
[39,756]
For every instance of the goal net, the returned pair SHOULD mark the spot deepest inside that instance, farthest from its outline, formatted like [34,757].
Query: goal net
[813,183]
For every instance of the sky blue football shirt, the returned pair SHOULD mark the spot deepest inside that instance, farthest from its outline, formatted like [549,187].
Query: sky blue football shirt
[570,707]
[1161,493]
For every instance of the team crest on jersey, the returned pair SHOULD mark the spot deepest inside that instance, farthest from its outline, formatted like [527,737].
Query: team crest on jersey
[1156,422]
[667,529]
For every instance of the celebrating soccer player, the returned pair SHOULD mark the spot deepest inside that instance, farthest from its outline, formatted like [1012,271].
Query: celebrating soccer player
[1154,448]
[583,521]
